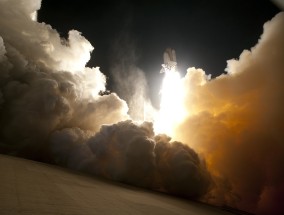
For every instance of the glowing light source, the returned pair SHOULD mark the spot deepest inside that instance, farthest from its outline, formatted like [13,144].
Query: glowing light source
[172,110]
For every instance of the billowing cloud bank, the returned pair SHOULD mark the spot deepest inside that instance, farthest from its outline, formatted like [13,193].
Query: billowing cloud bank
[44,83]
[130,153]
[236,123]
[51,110]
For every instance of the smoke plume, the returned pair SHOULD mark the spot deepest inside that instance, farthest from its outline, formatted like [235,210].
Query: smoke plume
[130,81]
[45,85]
[51,109]
[236,123]
[131,153]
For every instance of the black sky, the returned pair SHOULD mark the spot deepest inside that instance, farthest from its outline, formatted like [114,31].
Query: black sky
[204,33]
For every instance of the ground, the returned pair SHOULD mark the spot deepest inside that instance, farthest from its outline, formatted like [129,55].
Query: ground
[32,188]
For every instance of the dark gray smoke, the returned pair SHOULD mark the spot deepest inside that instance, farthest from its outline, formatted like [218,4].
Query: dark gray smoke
[130,153]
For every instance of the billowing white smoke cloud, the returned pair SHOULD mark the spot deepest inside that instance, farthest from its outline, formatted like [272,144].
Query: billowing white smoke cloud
[236,122]
[44,83]
[51,110]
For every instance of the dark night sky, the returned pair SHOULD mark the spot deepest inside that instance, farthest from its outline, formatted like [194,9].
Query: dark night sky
[204,33]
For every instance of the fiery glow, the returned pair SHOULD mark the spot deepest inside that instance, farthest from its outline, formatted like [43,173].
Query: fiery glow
[172,110]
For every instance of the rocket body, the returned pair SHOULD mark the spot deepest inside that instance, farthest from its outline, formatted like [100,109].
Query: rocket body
[170,62]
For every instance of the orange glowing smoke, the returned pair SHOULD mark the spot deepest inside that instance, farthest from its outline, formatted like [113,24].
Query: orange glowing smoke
[235,122]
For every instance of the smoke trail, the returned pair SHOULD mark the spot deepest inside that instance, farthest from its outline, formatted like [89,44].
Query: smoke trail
[236,123]
[130,81]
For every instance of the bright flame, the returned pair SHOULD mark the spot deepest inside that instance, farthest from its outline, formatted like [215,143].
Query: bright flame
[172,110]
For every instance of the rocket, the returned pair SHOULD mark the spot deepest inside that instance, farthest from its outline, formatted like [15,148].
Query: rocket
[170,61]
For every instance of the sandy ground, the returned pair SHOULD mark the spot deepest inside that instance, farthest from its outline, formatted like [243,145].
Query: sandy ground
[28,187]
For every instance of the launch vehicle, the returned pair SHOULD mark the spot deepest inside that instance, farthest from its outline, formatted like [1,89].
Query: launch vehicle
[170,61]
